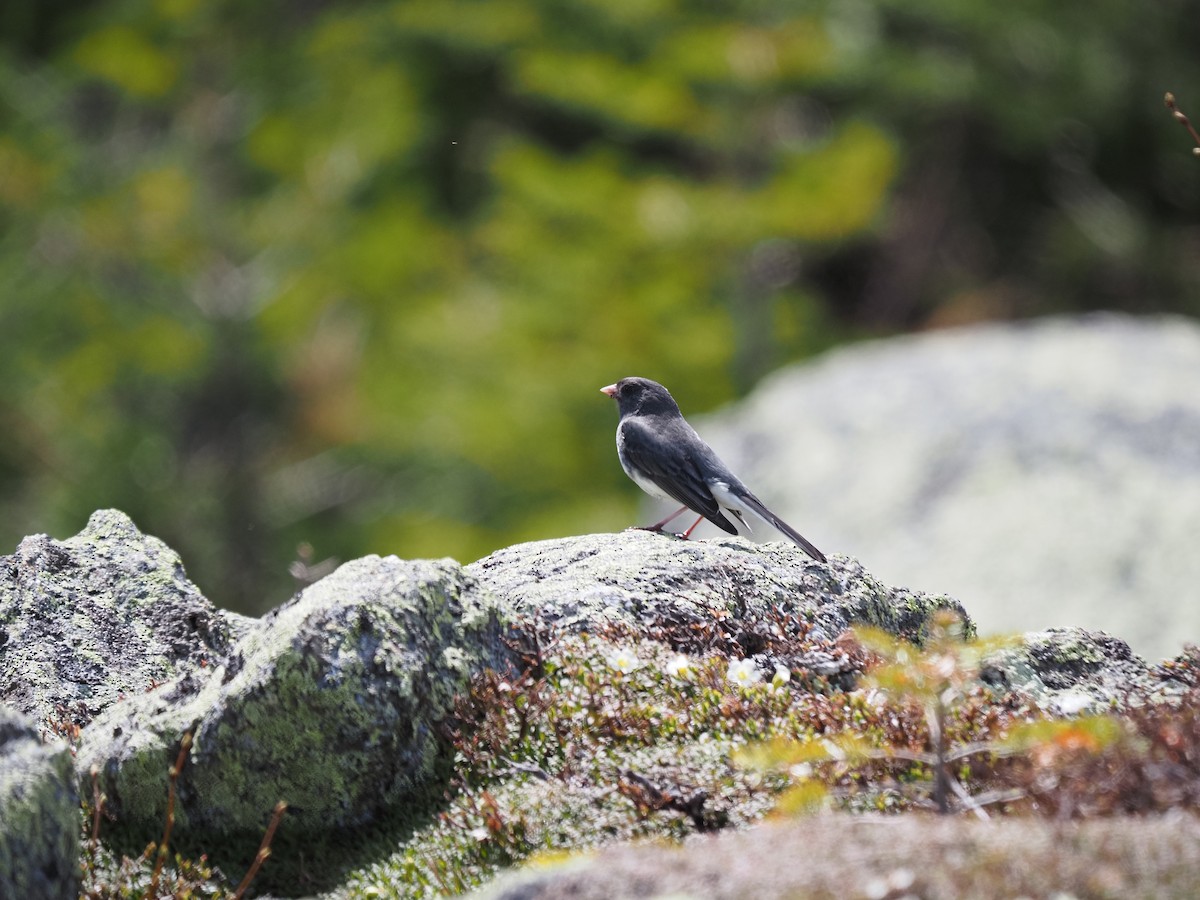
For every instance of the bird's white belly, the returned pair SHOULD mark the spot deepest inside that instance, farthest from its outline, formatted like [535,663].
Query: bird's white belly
[644,483]
[647,485]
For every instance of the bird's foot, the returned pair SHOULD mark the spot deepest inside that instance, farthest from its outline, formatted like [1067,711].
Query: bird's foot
[658,529]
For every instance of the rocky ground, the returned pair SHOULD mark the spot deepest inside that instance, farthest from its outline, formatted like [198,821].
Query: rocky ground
[838,856]
[431,724]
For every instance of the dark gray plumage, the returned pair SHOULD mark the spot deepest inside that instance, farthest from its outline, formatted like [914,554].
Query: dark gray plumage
[665,456]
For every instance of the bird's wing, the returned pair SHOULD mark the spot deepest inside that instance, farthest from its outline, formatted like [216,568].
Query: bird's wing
[667,456]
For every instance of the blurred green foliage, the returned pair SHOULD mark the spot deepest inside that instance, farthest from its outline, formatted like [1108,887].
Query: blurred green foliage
[351,274]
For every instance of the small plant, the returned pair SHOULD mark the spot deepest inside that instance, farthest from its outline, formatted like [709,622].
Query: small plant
[617,735]
[1177,113]
[1152,765]
[940,680]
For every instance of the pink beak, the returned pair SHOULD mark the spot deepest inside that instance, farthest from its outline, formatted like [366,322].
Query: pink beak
[610,390]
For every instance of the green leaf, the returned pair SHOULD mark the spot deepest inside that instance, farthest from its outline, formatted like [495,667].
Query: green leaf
[127,58]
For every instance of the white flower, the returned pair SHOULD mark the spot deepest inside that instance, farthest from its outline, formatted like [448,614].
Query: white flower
[801,770]
[679,667]
[623,660]
[743,672]
[1073,702]
[782,676]
[898,881]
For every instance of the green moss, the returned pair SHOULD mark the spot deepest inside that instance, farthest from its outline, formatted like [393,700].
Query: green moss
[1067,651]
[37,804]
[903,613]
[330,706]
[586,754]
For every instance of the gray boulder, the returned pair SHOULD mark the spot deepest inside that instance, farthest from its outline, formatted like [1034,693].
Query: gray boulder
[1047,471]
[330,703]
[1068,671]
[833,857]
[39,814]
[636,577]
[102,615]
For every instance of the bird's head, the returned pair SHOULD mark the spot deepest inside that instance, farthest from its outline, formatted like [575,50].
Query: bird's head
[641,396]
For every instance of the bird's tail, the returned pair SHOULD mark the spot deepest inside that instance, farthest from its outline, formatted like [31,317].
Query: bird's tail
[754,505]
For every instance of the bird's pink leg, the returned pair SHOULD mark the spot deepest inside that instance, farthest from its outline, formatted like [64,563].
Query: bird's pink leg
[687,534]
[658,526]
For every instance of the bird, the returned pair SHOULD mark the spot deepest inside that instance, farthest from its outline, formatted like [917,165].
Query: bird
[666,458]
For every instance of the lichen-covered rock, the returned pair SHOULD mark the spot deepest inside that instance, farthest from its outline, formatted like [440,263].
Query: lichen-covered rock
[330,703]
[107,613]
[39,814]
[637,577]
[1073,670]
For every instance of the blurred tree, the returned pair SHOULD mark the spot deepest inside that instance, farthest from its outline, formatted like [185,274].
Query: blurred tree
[351,274]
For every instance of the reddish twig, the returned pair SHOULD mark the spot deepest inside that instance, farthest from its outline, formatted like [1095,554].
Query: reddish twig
[173,773]
[264,850]
[97,805]
[1169,101]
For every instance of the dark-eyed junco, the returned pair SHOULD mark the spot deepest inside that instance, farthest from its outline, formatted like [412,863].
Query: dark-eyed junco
[663,454]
